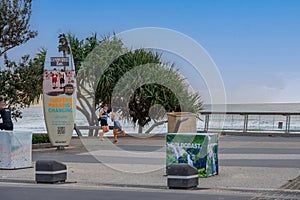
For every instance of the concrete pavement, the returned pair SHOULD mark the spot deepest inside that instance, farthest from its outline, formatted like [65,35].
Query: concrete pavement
[255,165]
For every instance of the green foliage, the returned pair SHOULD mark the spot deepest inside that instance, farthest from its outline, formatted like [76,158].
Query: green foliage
[40,138]
[133,81]
[138,80]
[93,56]
[81,48]
[63,44]
[14,24]
[117,70]
[99,59]
[21,83]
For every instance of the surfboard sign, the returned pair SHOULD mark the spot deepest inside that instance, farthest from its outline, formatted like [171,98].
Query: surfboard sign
[59,98]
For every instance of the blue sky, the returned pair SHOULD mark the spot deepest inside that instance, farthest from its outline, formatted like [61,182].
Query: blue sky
[254,43]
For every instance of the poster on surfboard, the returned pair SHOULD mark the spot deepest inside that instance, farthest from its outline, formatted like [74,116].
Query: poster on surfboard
[59,98]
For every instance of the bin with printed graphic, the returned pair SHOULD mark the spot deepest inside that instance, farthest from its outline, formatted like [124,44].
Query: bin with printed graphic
[196,149]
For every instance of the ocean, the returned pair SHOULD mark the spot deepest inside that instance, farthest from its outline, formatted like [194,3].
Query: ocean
[33,119]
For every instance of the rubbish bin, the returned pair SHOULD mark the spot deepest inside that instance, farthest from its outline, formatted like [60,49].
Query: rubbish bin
[181,122]
[15,149]
[196,149]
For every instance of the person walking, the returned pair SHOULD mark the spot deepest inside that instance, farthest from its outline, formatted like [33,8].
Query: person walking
[116,117]
[6,117]
[103,121]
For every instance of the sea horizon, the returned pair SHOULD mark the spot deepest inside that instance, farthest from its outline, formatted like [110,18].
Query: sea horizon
[33,117]
[256,107]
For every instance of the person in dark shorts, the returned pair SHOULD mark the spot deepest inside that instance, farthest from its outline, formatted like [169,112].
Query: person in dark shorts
[103,121]
[61,78]
[6,117]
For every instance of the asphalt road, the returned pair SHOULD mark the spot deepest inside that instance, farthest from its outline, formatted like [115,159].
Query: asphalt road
[56,193]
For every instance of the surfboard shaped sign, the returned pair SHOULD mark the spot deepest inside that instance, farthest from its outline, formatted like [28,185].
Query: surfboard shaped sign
[59,98]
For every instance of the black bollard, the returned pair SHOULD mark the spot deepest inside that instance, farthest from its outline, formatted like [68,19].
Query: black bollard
[60,148]
[50,171]
[182,176]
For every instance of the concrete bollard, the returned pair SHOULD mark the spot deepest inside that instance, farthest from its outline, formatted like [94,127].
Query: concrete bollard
[50,171]
[182,176]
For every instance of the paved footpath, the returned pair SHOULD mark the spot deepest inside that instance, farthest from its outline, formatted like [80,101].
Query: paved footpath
[265,167]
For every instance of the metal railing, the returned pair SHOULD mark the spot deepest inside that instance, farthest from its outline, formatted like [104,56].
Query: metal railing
[277,122]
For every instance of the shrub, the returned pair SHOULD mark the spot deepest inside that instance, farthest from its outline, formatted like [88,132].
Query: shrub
[40,138]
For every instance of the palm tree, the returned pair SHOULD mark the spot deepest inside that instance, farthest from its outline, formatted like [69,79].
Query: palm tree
[63,46]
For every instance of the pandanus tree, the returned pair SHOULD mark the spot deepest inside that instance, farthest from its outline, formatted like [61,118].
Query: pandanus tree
[136,82]
[88,76]
[145,89]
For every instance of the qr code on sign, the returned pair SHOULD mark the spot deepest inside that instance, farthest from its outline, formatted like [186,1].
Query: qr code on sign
[61,130]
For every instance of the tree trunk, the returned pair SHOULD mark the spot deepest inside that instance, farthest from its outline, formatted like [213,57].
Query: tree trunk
[155,125]
[65,55]
[91,131]
[140,129]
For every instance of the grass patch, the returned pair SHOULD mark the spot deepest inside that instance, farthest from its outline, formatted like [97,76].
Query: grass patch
[40,138]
